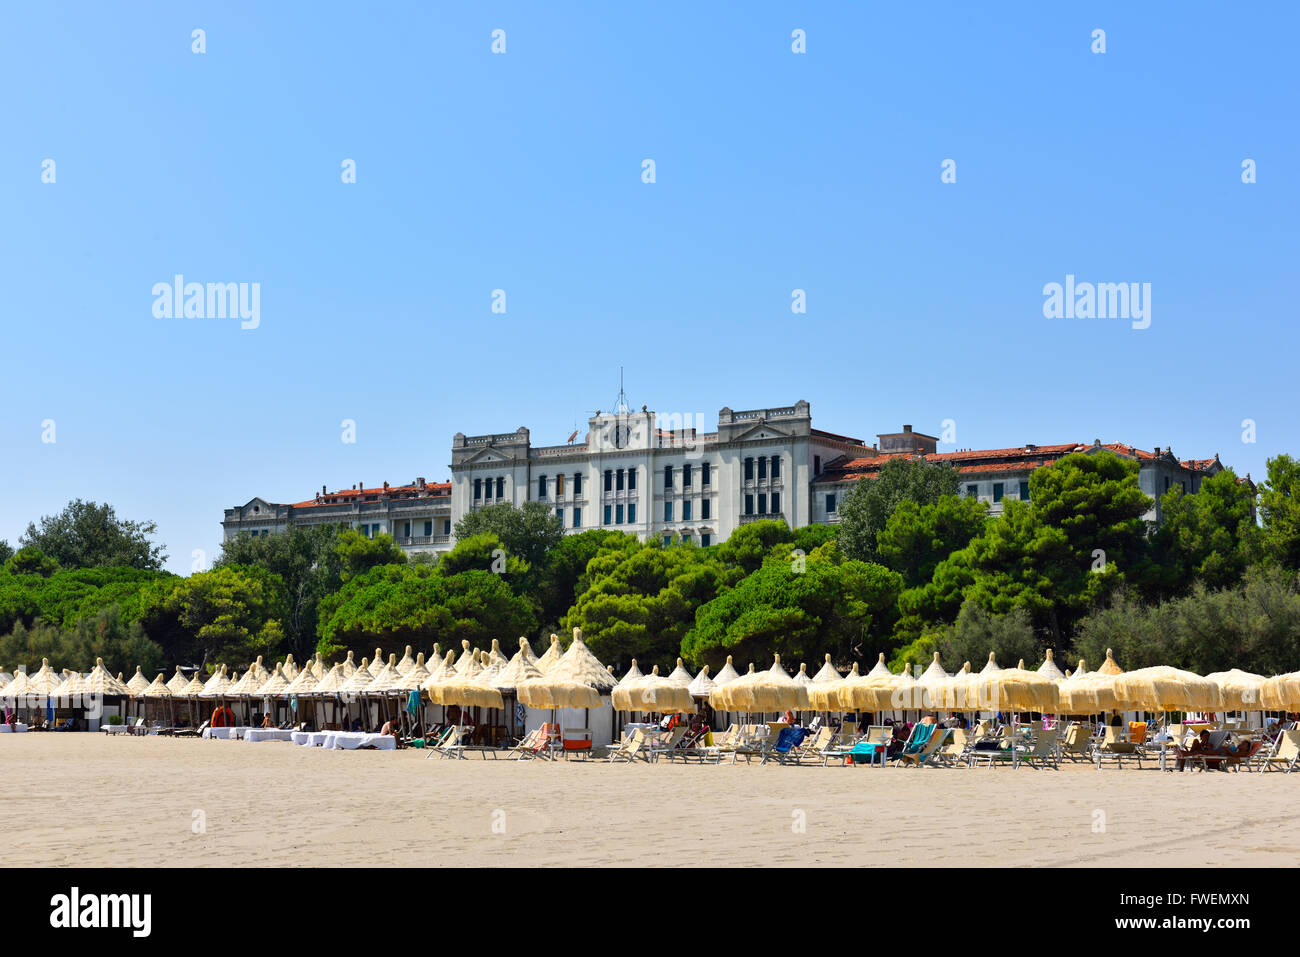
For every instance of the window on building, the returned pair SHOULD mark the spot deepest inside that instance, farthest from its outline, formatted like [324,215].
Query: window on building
[577,483]
[997,491]
[478,488]
[830,504]
[668,478]
[501,488]
[749,470]
[686,510]
[1024,491]
[609,480]
[972,491]
[577,518]
[1166,483]
[559,513]
[749,505]
[618,481]
[609,513]
[762,467]
[705,506]
[776,466]
[668,540]
[446,526]
[631,480]
[618,514]
[705,539]
[559,486]
[631,513]
[428,529]
[668,511]
[541,486]
[776,503]
[686,476]
[762,503]
[705,469]
[817,465]
[406,529]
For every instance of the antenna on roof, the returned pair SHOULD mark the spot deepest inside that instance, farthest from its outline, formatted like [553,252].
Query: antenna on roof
[620,404]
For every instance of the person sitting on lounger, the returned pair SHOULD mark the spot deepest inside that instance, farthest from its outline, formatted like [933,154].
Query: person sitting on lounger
[393,728]
[1200,746]
[266,721]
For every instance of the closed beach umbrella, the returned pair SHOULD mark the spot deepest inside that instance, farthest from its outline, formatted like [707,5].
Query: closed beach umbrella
[1239,690]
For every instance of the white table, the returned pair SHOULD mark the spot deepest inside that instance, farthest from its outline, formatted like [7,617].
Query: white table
[17,728]
[351,740]
[268,734]
[229,734]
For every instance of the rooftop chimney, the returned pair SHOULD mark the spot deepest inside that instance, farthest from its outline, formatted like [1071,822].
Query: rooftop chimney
[420,481]
[907,428]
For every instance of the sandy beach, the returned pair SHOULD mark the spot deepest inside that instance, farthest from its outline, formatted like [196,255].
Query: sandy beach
[138,802]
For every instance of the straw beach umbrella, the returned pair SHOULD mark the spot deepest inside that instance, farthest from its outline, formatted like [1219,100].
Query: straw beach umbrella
[1281,692]
[1049,668]
[466,692]
[551,656]
[680,675]
[932,684]
[1239,690]
[407,662]
[178,681]
[137,682]
[836,694]
[1019,689]
[633,674]
[702,684]
[827,673]
[1162,688]
[655,694]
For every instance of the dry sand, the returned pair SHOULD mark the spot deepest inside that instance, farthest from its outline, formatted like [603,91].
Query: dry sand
[86,799]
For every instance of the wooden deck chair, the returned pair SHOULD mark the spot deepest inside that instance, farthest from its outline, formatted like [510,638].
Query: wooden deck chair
[1113,749]
[632,749]
[1043,752]
[938,738]
[1286,755]
[528,745]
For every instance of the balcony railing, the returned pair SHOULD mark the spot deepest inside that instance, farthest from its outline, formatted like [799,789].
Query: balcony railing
[765,516]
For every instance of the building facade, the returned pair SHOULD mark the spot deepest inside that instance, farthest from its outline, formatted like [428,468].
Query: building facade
[658,476]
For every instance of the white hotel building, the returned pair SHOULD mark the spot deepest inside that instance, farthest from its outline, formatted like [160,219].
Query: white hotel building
[655,476]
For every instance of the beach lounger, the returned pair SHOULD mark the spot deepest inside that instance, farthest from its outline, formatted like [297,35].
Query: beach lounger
[874,745]
[667,745]
[1286,756]
[452,743]
[1113,749]
[1042,753]
[954,751]
[785,749]
[923,745]
[630,750]
[1077,744]
[817,741]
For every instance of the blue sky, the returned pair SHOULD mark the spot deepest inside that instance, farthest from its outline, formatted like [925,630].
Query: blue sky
[522,172]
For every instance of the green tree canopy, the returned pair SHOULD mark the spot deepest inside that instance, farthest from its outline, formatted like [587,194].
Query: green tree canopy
[802,608]
[867,506]
[916,538]
[1204,538]
[1279,513]
[88,535]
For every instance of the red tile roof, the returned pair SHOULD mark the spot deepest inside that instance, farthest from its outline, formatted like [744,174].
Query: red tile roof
[974,461]
[344,496]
